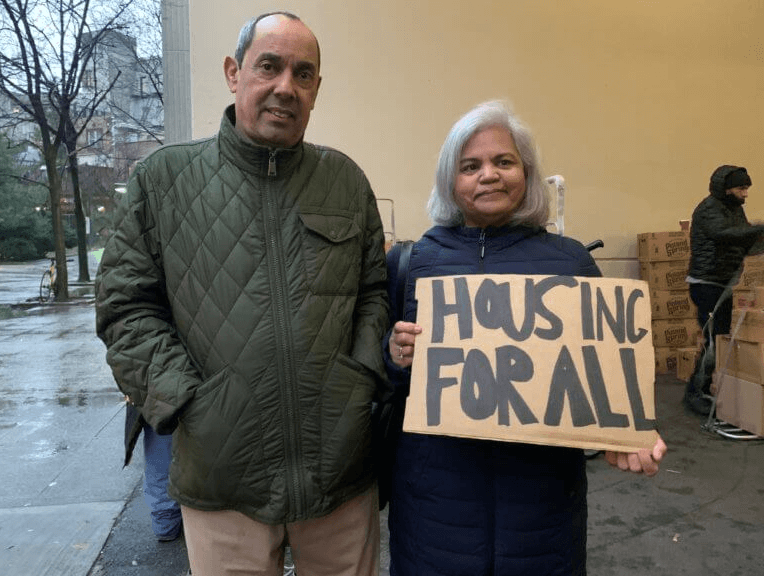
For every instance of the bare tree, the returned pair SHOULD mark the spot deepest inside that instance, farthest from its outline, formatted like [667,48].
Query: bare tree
[132,100]
[44,57]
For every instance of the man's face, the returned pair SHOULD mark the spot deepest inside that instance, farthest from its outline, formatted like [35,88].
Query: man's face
[277,83]
[739,192]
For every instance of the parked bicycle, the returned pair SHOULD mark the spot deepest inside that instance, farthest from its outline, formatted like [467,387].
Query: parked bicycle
[48,283]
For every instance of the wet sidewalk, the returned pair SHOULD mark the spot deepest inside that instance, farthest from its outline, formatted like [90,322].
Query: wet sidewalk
[61,427]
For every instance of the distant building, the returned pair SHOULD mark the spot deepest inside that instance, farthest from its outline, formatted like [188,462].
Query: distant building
[127,124]
[130,122]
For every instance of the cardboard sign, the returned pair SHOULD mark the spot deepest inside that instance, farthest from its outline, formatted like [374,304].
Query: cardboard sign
[557,360]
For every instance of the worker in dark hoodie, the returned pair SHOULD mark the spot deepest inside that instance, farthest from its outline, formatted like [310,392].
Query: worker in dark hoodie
[720,237]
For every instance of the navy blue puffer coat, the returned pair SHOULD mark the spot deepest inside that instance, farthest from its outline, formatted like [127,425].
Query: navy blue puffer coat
[475,507]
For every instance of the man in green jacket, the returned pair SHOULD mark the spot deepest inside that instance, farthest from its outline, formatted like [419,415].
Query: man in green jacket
[242,301]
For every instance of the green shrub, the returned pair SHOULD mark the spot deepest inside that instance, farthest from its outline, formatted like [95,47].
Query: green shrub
[18,250]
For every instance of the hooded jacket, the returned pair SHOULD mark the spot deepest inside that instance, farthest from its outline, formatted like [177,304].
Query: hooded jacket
[242,302]
[463,506]
[720,234]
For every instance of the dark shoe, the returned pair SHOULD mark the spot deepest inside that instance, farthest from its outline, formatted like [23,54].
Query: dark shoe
[698,403]
[694,397]
[171,536]
[168,537]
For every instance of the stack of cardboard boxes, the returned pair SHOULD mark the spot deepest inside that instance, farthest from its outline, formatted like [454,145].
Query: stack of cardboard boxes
[664,259]
[752,276]
[739,376]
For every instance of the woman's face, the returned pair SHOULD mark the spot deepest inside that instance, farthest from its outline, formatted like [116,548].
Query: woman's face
[490,179]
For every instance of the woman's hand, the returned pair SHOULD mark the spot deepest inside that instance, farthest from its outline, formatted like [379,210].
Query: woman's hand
[402,342]
[641,462]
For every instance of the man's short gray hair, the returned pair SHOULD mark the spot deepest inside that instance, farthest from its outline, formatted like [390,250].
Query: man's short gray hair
[441,207]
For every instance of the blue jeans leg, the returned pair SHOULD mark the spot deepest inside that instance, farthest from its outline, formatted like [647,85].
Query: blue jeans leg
[165,512]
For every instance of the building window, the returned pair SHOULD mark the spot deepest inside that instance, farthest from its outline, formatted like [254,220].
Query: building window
[94,137]
[88,78]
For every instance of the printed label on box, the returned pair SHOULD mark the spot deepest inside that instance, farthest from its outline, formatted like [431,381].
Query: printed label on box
[667,304]
[678,333]
[668,275]
[666,360]
[674,245]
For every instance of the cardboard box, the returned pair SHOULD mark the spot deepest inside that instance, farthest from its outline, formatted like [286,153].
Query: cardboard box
[740,358]
[668,275]
[672,304]
[665,360]
[743,299]
[654,246]
[752,274]
[740,402]
[751,327]
[755,259]
[677,332]
[685,362]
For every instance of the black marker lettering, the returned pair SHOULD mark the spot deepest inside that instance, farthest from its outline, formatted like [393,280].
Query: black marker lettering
[617,323]
[513,365]
[555,324]
[587,315]
[633,336]
[606,417]
[478,390]
[629,364]
[493,309]
[462,308]
[565,382]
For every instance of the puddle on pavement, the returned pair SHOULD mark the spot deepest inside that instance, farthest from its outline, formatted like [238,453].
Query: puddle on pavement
[44,449]
[66,399]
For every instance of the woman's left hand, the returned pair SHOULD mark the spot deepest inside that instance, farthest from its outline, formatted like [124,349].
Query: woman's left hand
[402,340]
[641,462]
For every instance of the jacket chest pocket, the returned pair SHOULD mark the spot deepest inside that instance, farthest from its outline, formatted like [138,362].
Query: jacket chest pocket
[332,253]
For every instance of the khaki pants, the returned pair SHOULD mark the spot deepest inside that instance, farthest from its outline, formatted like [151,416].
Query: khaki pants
[343,543]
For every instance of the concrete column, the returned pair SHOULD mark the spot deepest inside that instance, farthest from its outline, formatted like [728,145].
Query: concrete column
[176,53]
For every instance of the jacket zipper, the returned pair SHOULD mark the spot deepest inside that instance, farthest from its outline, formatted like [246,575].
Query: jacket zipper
[481,242]
[284,341]
[491,517]
[271,162]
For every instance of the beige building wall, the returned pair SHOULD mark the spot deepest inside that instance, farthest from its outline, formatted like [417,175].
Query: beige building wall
[634,103]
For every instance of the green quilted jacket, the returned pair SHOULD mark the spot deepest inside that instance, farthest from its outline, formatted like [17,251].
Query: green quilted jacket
[242,301]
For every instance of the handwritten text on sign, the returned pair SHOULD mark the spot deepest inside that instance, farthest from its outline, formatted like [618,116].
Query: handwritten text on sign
[542,359]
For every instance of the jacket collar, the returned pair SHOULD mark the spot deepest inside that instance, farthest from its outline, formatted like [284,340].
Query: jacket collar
[505,235]
[252,157]
[510,230]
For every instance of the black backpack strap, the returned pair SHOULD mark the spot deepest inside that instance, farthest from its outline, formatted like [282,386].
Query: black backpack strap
[387,416]
[402,277]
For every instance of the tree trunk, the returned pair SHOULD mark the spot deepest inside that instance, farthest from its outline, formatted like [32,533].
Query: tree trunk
[82,240]
[54,183]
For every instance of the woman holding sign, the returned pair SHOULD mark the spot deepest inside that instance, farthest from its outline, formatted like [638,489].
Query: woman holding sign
[462,506]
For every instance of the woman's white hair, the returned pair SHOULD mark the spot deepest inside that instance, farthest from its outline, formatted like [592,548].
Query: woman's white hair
[534,209]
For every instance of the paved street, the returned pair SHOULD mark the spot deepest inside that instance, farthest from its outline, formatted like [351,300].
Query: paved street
[68,508]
